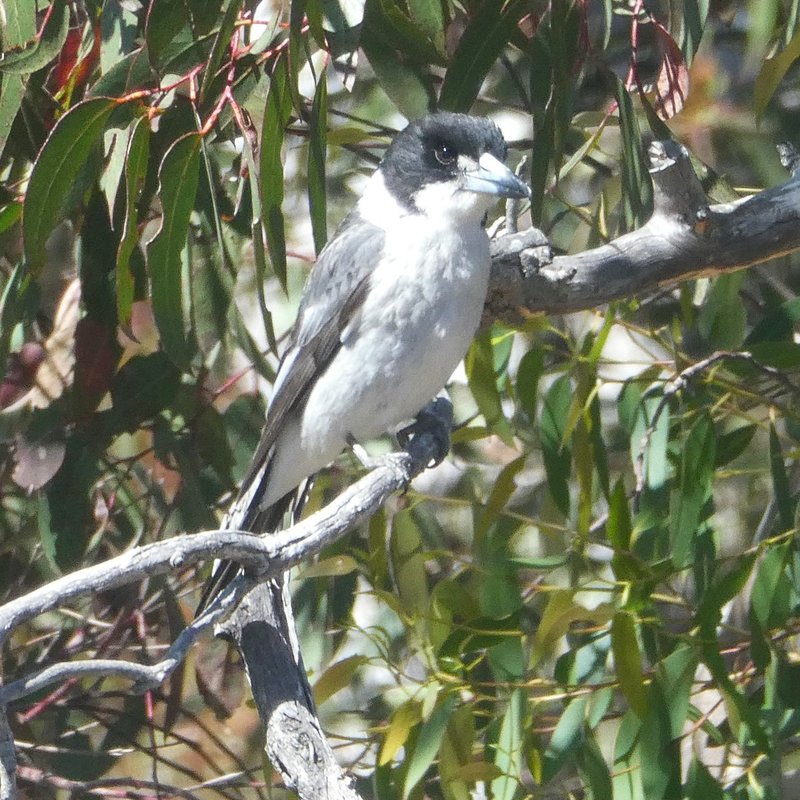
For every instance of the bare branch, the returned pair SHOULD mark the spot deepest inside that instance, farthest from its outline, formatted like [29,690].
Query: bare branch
[684,238]
[262,556]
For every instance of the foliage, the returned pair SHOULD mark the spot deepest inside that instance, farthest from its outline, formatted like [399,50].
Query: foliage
[599,596]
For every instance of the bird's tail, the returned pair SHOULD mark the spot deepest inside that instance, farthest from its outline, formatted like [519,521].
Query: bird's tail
[247,514]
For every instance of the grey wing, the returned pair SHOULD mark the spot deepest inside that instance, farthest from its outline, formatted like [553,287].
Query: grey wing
[332,296]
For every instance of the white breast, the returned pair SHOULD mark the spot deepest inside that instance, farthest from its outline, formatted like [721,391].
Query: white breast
[418,319]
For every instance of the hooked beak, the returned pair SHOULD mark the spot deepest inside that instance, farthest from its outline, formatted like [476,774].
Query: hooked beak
[492,176]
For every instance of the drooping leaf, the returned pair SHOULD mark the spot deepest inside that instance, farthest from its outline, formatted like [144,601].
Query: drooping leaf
[222,41]
[136,159]
[178,178]
[482,378]
[555,451]
[403,720]
[484,38]
[143,387]
[637,188]
[276,116]
[566,738]
[628,660]
[660,751]
[65,153]
[390,49]
[694,490]
[427,744]
[317,155]
[780,480]
[771,74]
[336,677]
[508,750]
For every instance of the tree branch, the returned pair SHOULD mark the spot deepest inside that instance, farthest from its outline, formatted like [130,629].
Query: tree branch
[264,557]
[684,238]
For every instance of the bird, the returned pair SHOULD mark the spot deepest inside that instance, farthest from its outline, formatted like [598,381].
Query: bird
[388,311]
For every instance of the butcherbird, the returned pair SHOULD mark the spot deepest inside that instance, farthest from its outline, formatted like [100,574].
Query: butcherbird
[388,312]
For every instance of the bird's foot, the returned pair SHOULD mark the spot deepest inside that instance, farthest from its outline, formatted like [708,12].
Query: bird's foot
[435,421]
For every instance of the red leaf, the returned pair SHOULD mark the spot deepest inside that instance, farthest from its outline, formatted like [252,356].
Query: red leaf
[95,359]
[672,83]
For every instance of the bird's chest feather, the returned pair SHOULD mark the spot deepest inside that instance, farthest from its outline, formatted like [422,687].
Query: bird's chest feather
[423,307]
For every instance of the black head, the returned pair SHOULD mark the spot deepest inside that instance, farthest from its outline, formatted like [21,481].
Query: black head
[444,148]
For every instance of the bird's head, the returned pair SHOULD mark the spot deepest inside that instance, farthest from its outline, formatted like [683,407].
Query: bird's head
[447,164]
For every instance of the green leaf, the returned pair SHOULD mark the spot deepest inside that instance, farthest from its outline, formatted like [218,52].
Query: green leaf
[529,372]
[700,785]
[772,73]
[636,186]
[566,738]
[403,720]
[675,676]
[555,451]
[688,500]
[178,178]
[317,156]
[772,590]
[276,116]
[165,19]
[723,317]
[427,744]
[20,26]
[222,41]
[732,444]
[44,48]
[508,750]
[660,752]
[628,659]
[428,15]
[136,162]
[482,381]
[776,325]
[780,480]
[336,677]
[485,37]
[143,387]
[408,562]
[502,490]
[67,149]
[594,770]
[405,80]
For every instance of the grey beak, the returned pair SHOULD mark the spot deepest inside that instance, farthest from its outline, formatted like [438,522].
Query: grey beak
[492,176]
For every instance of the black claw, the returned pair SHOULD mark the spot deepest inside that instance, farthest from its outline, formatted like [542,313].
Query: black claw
[435,420]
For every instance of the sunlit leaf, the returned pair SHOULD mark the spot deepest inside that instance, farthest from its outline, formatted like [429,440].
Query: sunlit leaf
[694,490]
[628,660]
[427,744]
[771,74]
[337,676]
[508,750]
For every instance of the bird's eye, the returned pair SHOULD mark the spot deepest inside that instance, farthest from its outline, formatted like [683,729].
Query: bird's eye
[445,154]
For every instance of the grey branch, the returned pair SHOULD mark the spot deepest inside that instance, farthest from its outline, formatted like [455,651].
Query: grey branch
[684,238]
[264,557]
